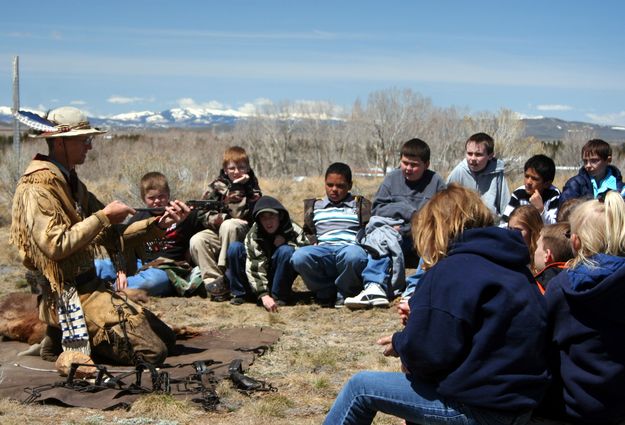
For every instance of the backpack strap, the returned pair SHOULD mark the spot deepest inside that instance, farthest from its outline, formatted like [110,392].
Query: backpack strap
[363,206]
[309,225]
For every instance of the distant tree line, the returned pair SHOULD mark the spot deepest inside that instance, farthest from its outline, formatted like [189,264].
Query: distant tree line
[292,138]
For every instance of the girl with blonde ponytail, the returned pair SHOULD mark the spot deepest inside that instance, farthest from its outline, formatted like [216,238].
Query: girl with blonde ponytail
[585,305]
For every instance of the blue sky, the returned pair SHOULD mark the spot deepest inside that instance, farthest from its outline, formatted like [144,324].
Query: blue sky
[564,59]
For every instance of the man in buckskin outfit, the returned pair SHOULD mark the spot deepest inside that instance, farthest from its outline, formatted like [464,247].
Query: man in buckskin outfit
[59,227]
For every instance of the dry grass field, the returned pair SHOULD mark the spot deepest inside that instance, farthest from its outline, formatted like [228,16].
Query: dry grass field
[319,350]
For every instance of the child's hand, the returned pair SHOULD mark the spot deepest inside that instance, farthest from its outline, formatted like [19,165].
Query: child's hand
[269,303]
[279,240]
[242,180]
[537,201]
[176,212]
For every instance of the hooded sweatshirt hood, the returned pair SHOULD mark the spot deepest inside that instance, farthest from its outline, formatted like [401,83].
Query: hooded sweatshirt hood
[499,245]
[598,288]
[271,203]
[493,166]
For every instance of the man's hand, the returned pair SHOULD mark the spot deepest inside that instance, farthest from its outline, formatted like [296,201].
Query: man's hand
[122,281]
[117,211]
[279,240]
[537,201]
[176,212]
[404,311]
[387,343]
[269,303]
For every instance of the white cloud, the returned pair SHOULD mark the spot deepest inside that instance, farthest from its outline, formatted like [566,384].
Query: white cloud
[123,100]
[18,34]
[522,116]
[615,118]
[187,102]
[251,108]
[77,102]
[320,66]
[554,107]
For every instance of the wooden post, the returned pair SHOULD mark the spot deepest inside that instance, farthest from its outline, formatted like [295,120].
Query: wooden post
[16,107]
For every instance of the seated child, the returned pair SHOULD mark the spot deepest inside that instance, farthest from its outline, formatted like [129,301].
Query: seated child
[528,221]
[237,188]
[481,171]
[540,170]
[585,311]
[332,267]
[169,255]
[596,175]
[553,250]
[262,266]
[404,191]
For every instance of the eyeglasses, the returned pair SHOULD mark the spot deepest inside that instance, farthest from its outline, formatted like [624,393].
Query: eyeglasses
[86,141]
[242,168]
[590,161]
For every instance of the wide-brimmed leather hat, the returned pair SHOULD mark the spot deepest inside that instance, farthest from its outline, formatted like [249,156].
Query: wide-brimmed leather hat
[65,121]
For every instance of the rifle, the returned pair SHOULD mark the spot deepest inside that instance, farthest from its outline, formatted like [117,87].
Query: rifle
[195,204]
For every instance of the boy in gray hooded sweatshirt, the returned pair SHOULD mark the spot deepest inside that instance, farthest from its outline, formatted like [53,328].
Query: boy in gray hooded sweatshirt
[482,172]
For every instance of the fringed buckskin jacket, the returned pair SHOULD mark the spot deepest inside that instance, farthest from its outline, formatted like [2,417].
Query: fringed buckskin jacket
[59,233]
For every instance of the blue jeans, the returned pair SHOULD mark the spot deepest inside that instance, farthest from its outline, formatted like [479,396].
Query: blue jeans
[281,274]
[378,271]
[153,280]
[367,393]
[328,268]
[413,281]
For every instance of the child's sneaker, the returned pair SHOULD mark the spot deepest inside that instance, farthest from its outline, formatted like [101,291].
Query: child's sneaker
[372,296]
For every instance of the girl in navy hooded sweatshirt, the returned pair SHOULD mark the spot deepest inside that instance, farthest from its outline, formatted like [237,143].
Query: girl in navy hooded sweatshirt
[474,347]
[585,307]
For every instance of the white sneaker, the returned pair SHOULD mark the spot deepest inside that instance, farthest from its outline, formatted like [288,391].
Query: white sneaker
[372,296]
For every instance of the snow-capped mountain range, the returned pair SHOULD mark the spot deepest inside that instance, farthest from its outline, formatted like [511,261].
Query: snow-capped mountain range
[542,128]
[170,118]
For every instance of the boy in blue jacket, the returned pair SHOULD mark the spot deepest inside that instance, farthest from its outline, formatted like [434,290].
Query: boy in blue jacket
[596,175]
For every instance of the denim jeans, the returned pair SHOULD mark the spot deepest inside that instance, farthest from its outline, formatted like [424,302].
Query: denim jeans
[328,268]
[412,281]
[153,280]
[367,393]
[378,271]
[281,274]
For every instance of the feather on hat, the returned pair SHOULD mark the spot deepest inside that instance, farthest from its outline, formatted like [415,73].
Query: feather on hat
[65,121]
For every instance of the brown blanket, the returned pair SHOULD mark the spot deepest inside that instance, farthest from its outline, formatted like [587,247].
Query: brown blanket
[19,375]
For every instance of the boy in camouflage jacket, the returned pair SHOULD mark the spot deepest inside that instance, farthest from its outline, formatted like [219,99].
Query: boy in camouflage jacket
[262,265]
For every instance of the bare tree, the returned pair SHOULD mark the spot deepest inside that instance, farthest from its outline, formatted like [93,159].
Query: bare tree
[570,152]
[389,118]
[507,130]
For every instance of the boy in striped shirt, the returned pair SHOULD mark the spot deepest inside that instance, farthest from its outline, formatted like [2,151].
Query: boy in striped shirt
[332,267]
[540,170]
